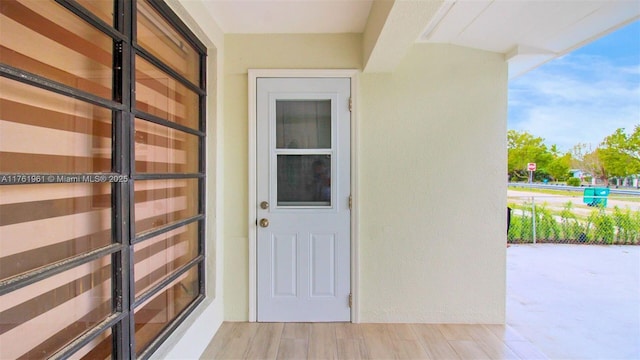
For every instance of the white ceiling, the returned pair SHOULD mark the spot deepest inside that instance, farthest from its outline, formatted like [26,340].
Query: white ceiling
[290,16]
[528,32]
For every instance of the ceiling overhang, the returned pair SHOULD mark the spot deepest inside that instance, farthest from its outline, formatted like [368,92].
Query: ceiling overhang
[387,41]
[528,33]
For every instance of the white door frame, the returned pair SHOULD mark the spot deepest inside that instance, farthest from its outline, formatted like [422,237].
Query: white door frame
[254,74]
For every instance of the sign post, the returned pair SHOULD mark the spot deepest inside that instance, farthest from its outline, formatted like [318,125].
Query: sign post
[531,167]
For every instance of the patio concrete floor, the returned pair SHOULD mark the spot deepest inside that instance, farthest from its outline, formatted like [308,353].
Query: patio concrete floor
[576,301]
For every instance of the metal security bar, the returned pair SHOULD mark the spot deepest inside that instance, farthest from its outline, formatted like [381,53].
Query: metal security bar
[132,154]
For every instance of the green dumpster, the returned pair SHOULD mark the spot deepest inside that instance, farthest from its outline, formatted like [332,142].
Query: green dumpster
[596,196]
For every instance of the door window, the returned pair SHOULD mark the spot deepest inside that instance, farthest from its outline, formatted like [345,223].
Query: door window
[303,152]
[303,124]
[304,180]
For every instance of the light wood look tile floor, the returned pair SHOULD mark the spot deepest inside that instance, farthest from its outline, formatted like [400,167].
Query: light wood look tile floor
[239,340]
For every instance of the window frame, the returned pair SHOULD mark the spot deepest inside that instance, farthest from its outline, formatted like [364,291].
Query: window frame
[122,105]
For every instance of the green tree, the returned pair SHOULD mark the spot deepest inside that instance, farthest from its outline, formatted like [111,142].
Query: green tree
[524,148]
[595,165]
[630,145]
[620,153]
[559,167]
[589,160]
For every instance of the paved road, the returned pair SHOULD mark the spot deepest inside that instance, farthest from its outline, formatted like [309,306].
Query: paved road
[558,201]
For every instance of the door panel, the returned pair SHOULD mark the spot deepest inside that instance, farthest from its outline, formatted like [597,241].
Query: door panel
[323,267]
[303,187]
[285,260]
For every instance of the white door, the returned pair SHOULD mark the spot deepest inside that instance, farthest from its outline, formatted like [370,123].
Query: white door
[303,187]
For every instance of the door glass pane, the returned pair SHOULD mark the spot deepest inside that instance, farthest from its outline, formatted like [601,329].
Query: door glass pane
[161,149]
[157,36]
[100,348]
[43,224]
[49,40]
[303,124]
[101,8]
[158,257]
[304,180]
[44,132]
[159,94]
[155,314]
[162,202]
[41,318]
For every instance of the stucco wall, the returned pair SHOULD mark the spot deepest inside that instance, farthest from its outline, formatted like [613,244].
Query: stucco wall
[432,188]
[243,52]
[432,165]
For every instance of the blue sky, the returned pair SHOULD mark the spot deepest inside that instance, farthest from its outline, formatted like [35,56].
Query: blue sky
[583,96]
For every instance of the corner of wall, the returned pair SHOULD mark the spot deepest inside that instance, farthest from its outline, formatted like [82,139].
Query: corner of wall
[377,18]
[192,337]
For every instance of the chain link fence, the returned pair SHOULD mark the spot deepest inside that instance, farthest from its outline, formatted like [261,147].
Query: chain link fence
[571,220]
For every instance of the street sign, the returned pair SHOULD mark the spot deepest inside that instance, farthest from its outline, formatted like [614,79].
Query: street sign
[531,166]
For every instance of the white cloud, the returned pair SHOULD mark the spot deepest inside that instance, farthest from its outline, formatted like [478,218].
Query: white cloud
[576,99]
[632,70]
[566,126]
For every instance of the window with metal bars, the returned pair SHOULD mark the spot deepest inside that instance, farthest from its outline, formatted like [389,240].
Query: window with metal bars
[102,171]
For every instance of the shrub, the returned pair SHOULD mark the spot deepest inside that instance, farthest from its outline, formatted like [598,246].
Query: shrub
[603,227]
[572,229]
[573,181]
[547,227]
[627,224]
[621,226]
[520,230]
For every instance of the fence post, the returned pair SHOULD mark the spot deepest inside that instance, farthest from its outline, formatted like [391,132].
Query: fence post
[533,217]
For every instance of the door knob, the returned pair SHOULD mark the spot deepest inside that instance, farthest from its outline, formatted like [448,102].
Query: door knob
[264,223]
[264,205]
